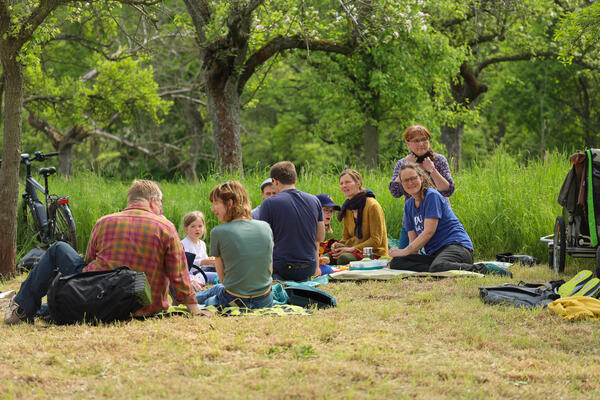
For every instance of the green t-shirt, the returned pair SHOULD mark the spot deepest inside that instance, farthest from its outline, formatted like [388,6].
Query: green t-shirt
[246,247]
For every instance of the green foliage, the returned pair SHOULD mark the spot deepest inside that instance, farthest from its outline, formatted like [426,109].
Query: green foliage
[579,32]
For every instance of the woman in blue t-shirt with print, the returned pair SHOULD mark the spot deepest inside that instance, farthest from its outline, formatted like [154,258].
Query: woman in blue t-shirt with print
[432,225]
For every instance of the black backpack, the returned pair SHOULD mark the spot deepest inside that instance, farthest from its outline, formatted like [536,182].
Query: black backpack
[98,296]
[528,295]
[30,259]
[307,296]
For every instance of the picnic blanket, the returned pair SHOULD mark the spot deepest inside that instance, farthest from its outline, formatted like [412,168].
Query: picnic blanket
[279,310]
[386,274]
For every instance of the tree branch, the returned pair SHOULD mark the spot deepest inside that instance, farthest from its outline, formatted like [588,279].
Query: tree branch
[99,132]
[281,43]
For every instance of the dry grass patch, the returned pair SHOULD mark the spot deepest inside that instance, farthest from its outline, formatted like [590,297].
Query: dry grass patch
[421,338]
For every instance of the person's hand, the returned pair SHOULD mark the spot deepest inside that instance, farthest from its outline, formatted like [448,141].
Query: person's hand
[324,260]
[411,158]
[394,252]
[340,250]
[195,309]
[427,164]
[197,283]
[208,261]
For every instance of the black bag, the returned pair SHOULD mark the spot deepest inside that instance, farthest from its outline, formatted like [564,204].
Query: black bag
[307,296]
[30,259]
[517,258]
[528,295]
[98,296]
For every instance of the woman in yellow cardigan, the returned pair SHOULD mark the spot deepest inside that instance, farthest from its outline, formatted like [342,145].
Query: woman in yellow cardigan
[364,222]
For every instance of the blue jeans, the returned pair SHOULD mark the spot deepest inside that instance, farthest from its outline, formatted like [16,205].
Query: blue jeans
[218,296]
[60,256]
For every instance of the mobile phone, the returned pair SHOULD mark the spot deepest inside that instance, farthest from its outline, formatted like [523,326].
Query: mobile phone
[237,302]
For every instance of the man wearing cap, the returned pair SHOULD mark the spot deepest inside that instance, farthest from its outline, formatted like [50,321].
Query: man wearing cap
[267,190]
[296,219]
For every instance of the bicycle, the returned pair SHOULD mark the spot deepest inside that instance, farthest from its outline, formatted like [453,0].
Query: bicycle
[53,221]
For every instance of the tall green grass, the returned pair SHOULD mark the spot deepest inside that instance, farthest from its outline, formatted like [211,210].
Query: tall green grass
[504,205]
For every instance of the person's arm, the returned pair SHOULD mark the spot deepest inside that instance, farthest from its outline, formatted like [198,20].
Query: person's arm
[442,177]
[90,253]
[220,267]
[418,242]
[395,187]
[320,236]
[175,266]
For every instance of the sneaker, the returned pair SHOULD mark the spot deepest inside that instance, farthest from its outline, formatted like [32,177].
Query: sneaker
[590,289]
[575,284]
[15,314]
[494,269]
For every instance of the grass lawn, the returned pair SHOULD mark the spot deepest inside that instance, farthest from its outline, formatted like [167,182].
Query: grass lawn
[412,338]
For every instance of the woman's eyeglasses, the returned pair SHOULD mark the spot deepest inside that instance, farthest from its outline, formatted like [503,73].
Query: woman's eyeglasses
[410,179]
[422,140]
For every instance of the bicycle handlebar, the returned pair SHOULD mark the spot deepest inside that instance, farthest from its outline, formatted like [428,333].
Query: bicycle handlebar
[38,156]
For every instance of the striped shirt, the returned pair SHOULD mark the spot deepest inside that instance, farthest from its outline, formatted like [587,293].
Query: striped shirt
[145,242]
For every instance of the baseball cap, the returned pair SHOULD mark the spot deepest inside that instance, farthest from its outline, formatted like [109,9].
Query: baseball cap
[327,201]
[266,182]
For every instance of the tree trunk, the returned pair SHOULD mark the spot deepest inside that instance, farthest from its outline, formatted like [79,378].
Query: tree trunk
[452,139]
[195,126]
[371,144]
[65,158]
[11,158]
[224,108]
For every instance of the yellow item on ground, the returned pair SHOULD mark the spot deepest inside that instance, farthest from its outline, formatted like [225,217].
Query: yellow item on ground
[575,308]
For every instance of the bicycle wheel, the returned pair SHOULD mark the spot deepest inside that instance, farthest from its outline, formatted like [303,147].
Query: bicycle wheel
[63,225]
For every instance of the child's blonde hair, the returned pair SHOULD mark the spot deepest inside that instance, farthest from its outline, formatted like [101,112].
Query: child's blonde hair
[192,217]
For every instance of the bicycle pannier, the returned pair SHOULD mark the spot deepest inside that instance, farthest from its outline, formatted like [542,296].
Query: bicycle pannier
[98,296]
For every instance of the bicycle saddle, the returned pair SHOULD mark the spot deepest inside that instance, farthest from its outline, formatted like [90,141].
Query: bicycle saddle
[47,171]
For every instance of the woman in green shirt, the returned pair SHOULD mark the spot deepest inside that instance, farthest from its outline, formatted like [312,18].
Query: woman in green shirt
[243,251]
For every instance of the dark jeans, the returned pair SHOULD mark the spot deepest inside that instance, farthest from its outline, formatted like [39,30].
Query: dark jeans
[60,256]
[294,272]
[217,295]
[451,257]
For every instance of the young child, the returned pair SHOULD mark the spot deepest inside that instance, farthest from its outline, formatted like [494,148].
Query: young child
[194,226]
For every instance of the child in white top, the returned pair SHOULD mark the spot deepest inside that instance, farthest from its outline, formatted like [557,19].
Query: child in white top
[194,226]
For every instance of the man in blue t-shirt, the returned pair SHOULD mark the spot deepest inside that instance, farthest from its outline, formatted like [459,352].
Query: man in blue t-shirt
[296,219]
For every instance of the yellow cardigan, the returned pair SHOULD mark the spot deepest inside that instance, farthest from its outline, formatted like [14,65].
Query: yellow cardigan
[374,232]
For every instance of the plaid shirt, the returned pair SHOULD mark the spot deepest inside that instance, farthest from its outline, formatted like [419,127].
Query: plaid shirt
[145,242]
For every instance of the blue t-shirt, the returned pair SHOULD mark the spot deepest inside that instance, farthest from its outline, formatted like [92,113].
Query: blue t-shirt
[449,229]
[293,216]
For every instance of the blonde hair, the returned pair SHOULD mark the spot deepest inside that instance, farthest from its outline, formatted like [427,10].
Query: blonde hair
[234,191]
[354,175]
[192,217]
[426,181]
[143,190]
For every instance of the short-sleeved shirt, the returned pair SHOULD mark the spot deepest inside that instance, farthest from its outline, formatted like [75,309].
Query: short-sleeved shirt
[198,249]
[449,229]
[145,242]
[246,247]
[293,216]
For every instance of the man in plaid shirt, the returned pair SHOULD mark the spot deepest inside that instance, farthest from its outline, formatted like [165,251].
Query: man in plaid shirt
[138,237]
